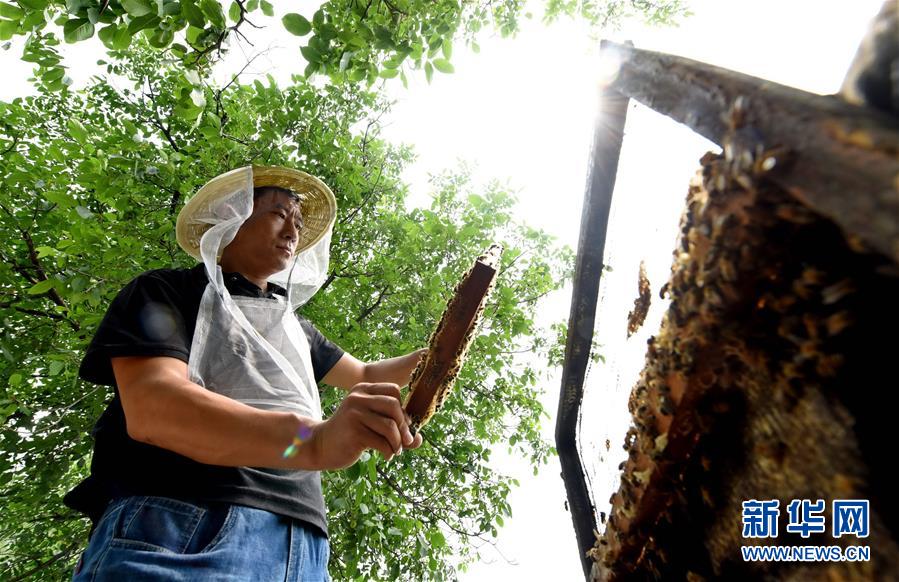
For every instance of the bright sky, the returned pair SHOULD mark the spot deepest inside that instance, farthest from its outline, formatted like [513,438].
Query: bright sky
[522,110]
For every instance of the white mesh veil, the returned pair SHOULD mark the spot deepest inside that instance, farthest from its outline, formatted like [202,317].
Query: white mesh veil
[227,213]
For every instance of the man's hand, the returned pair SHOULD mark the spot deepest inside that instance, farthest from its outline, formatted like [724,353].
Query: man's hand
[370,417]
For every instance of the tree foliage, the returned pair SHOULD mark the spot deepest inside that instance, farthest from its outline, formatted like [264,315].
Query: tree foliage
[349,40]
[90,184]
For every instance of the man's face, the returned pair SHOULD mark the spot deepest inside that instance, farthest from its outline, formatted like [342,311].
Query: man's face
[266,241]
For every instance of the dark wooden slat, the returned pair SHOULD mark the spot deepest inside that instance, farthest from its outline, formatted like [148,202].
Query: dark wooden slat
[845,158]
[607,137]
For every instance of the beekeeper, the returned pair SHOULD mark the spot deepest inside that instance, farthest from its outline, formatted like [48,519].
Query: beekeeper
[206,462]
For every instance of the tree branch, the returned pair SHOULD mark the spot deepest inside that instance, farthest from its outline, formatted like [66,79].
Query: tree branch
[157,122]
[53,294]
[217,45]
[428,509]
[368,310]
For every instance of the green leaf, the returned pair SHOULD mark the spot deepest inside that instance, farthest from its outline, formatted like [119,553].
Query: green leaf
[213,11]
[193,34]
[394,62]
[384,36]
[138,7]
[79,284]
[15,379]
[234,12]
[78,29]
[35,19]
[34,4]
[311,55]
[170,8]
[74,7]
[296,24]
[56,367]
[192,13]
[77,131]
[41,287]
[53,74]
[443,65]
[327,31]
[435,46]
[115,36]
[121,39]
[161,38]
[63,200]
[143,22]
[11,12]
[354,471]
[447,47]
[46,252]
[267,8]
[388,73]
[356,74]
[429,71]
[8,29]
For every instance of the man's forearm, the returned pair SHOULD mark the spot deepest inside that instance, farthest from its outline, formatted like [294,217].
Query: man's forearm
[226,432]
[180,416]
[163,408]
[394,370]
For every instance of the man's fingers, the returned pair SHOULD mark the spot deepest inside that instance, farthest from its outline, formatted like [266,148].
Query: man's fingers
[380,389]
[389,407]
[386,428]
[379,443]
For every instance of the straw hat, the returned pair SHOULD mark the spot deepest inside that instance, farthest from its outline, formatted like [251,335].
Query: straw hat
[317,204]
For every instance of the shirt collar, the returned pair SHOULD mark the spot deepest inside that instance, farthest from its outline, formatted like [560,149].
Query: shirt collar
[239,285]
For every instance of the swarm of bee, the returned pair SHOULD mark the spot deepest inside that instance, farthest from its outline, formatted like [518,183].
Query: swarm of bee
[771,377]
[436,373]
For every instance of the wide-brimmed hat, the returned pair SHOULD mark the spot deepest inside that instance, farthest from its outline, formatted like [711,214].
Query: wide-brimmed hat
[317,204]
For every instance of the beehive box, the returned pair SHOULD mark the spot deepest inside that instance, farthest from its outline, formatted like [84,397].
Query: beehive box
[773,377]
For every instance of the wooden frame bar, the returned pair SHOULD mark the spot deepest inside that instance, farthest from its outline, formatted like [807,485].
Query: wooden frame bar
[607,137]
[843,158]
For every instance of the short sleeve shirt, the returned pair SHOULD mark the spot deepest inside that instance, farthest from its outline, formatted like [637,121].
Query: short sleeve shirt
[155,315]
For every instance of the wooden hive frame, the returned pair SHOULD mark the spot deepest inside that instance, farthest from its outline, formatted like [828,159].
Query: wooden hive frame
[436,373]
[835,160]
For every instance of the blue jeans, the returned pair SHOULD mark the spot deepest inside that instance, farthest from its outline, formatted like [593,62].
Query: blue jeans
[157,538]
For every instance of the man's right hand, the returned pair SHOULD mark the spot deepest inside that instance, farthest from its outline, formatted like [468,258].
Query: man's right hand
[371,416]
